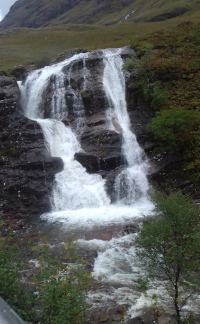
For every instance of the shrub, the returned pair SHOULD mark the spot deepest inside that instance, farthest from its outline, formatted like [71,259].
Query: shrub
[19,72]
[145,87]
[62,287]
[177,128]
[159,96]
[11,288]
[169,247]
[61,284]
[130,64]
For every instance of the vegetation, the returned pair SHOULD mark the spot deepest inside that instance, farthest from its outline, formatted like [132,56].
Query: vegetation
[7,153]
[169,247]
[60,286]
[11,288]
[177,128]
[168,78]
[42,63]
[145,88]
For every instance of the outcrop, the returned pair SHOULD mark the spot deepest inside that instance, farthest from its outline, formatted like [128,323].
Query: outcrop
[26,169]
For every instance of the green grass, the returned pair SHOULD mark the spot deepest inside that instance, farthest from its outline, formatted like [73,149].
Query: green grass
[25,46]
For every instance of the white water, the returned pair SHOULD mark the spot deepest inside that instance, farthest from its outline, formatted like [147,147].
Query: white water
[37,83]
[74,188]
[131,184]
[79,197]
[79,200]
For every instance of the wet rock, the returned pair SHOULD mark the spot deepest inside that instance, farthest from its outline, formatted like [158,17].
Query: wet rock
[146,318]
[89,161]
[105,144]
[109,315]
[127,52]
[27,171]
[163,319]
[103,318]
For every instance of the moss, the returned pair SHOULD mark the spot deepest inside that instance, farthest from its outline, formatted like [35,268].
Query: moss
[9,152]
[73,85]
[104,139]
[104,153]
[85,95]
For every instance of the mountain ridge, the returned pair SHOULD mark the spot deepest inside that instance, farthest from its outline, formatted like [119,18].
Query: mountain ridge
[43,13]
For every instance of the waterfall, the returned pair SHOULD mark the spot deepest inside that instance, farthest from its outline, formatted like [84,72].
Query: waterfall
[79,197]
[37,83]
[79,200]
[131,184]
[74,188]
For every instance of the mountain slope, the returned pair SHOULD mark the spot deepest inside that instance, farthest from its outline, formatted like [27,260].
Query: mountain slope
[43,13]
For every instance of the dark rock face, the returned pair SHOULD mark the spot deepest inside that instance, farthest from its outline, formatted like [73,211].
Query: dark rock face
[26,169]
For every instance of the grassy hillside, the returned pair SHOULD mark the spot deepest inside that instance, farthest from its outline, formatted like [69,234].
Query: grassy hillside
[42,13]
[27,45]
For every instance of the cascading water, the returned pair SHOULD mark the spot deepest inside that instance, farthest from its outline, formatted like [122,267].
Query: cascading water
[79,199]
[77,195]
[131,184]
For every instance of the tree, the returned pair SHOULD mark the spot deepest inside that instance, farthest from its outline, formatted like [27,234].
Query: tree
[169,247]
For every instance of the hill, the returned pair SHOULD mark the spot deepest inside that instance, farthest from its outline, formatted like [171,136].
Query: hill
[43,13]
